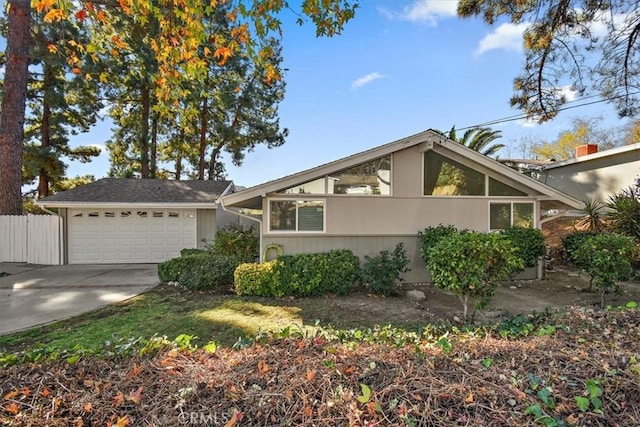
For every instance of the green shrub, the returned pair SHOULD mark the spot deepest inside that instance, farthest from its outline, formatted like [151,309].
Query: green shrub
[624,214]
[528,242]
[468,264]
[192,251]
[607,258]
[430,236]
[237,241]
[315,274]
[170,271]
[572,241]
[381,272]
[300,275]
[213,272]
[257,279]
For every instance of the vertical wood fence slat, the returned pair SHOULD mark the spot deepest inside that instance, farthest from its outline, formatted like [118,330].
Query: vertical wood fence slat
[35,239]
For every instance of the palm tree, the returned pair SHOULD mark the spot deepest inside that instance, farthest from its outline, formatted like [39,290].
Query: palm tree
[478,139]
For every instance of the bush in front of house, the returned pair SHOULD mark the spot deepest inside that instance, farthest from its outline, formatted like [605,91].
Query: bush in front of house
[528,242]
[192,251]
[257,279]
[430,236]
[606,258]
[212,272]
[237,241]
[314,274]
[572,241]
[380,273]
[469,264]
[170,270]
[301,275]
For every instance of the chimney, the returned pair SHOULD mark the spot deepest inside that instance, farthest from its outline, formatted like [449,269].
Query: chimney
[583,150]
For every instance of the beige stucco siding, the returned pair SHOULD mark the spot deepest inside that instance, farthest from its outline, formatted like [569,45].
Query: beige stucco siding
[595,179]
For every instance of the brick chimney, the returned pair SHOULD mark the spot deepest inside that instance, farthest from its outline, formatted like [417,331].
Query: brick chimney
[583,150]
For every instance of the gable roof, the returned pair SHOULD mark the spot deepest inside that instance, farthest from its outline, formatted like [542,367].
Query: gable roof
[594,156]
[112,191]
[433,141]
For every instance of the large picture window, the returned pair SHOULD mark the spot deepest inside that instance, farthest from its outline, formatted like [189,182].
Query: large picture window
[510,214]
[296,215]
[446,177]
[372,178]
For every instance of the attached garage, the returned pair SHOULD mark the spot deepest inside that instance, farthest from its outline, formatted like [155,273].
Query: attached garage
[98,236]
[122,221]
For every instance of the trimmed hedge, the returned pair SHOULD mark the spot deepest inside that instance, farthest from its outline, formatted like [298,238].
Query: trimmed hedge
[257,279]
[213,272]
[192,251]
[528,242]
[300,275]
[381,272]
[430,236]
[170,271]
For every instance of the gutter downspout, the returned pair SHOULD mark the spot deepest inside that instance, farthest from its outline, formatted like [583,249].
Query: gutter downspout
[224,208]
[60,229]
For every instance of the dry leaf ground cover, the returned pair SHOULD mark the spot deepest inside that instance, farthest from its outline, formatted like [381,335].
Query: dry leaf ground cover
[577,368]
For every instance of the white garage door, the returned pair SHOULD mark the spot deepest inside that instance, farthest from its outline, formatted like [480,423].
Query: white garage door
[104,236]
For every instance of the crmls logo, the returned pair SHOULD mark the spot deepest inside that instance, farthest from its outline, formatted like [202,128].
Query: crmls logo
[201,419]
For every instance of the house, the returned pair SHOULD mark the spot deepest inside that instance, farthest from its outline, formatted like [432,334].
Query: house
[595,175]
[115,220]
[370,201]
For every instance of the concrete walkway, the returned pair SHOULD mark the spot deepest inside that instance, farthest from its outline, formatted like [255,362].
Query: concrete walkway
[33,295]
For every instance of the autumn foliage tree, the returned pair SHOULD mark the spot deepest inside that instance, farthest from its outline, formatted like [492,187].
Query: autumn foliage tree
[176,47]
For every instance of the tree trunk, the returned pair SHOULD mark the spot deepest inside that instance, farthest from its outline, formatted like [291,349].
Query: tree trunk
[45,132]
[203,140]
[153,168]
[144,132]
[178,168]
[12,113]
[214,158]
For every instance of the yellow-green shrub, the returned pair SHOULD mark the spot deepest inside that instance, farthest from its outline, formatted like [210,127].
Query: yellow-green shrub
[257,279]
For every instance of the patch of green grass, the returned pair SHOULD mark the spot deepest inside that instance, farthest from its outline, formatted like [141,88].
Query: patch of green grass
[167,311]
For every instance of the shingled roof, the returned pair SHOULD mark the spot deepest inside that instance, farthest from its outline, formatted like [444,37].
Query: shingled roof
[139,191]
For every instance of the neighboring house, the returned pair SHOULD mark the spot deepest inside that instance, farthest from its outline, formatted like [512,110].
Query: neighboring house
[370,201]
[596,175]
[115,220]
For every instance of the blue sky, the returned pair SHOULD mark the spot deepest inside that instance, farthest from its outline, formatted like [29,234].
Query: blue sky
[399,67]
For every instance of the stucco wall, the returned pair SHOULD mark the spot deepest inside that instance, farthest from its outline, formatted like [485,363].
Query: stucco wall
[596,179]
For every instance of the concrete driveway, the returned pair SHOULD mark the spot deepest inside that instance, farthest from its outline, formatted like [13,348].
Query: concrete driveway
[32,295]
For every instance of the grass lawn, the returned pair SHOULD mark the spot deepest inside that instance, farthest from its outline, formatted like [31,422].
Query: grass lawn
[168,311]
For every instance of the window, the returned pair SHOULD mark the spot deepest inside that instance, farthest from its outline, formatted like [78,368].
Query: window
[125,214]
[109,214]
[505,215]
[172,214]
[141,214]
[158,214]
[372,178]
[93,214]
[497,188]
[446,177]
[296,215]
[77,214]
[312,187]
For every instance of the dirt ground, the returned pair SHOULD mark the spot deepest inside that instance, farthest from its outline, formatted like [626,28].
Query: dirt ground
[562,286]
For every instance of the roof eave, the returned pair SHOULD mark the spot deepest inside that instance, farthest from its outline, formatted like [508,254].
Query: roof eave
[99,205]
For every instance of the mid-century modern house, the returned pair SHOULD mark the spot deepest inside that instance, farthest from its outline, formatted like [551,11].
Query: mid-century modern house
[372,200]
[594,174]
[116,220]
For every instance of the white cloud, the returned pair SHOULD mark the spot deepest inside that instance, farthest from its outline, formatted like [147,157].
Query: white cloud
[428,11]
[568,93]
[507,36]
[361,81]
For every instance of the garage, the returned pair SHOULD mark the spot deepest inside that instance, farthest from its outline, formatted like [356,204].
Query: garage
[99,236]
[129,220]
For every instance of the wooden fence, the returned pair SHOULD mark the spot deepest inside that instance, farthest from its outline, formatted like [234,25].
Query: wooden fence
[35,239]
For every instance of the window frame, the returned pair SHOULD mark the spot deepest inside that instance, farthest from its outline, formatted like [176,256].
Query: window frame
[511,203]
[296,200]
